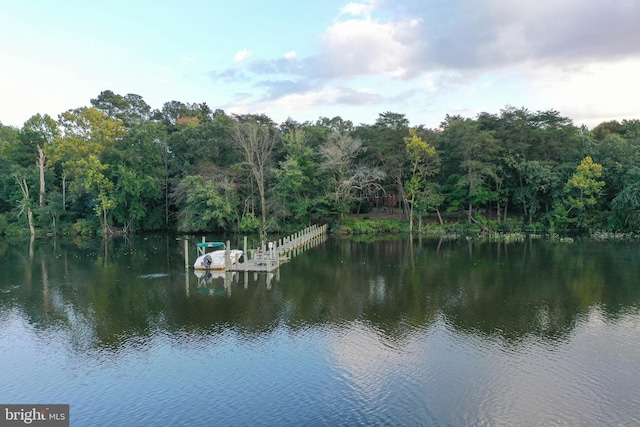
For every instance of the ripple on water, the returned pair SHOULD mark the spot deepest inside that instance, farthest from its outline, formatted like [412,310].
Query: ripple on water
[346,372]
[153,275]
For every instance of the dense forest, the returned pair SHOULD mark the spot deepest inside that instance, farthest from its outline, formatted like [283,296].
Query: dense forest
[119,166]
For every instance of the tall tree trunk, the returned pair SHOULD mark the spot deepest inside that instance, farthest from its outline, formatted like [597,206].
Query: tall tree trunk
[524,203]
[410,217]
[41,161]
[166,201]
[256,143]
[64,192]
[403,194]
[26,203]
[32,229]
[439,216]
[259,175]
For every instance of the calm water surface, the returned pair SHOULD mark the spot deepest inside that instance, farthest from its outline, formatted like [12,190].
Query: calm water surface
[391,332]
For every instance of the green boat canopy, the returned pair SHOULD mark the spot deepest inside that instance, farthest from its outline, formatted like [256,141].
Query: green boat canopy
[211,245]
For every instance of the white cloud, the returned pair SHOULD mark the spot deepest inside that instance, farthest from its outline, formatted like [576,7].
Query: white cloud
[365,47]
[358,9]
[592,94]
[241,56]
[467,55]
[306,100]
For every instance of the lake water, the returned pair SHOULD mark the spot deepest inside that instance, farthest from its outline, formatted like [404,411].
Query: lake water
[392,332]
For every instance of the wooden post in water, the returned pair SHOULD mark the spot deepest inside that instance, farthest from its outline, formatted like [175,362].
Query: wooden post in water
[227,256]
[246,256]
[186,282]
[202,250]
[186,254]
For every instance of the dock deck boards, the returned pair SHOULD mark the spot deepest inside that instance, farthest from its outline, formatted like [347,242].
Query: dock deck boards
[270,260]
[259,265]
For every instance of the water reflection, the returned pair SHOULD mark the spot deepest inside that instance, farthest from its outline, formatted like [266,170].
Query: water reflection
[510,291]
[435,332]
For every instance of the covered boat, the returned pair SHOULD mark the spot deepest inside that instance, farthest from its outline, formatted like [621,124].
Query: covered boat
[215,260]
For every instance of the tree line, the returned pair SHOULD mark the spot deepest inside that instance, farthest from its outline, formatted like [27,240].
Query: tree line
[120,166]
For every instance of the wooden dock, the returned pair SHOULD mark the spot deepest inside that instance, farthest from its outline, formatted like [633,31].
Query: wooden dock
[268,258]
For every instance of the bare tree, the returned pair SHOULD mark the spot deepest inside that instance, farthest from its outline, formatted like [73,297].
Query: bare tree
[340,154]
[39,132]
[256,141]
[25,203]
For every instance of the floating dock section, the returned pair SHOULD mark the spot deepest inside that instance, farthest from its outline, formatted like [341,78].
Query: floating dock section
[268,257]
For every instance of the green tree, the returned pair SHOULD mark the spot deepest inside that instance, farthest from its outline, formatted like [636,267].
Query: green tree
[85,135]
[386,149]
[130,109]
[626,204]
[536,181]
[606,128]
[556,139]
[194,146]
[94,179]
[474,152]
[298,177]
[579,208]
[8,134]
[8,139]
[208,203]
[617,155]
[137,169]
[424,162]
[336,124]
[516,130]
[173,111]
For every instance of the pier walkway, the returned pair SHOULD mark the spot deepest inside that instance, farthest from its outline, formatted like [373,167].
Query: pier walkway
[268,257]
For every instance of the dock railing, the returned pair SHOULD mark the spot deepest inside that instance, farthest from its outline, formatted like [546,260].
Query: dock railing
[270,255]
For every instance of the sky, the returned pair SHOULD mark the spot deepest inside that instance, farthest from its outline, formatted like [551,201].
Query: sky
[324,58]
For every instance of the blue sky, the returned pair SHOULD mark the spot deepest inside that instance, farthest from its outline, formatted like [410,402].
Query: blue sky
[325,58]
